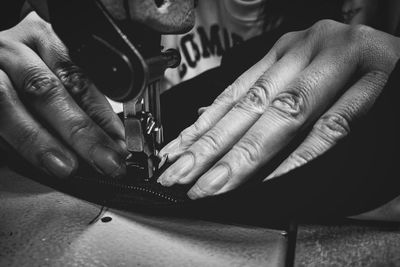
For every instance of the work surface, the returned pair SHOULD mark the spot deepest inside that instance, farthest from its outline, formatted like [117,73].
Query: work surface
[40,226]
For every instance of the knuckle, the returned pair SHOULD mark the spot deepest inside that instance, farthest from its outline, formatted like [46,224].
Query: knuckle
[227,97]
[359,33]
[237,86]
[305,85]
[299,54]
[200,125]
[323,26]
[78,127]
[232,93]
[212,141]
[5,41]
[196,128]
[72,77]
[38,84]
[287,37]
[256,99]
[194,131]
[186,135]
[36,32]
[249,149]
[43,27]
[8,42]
[332,127]
[302,157]
[360,38]
[37,23]
[372,52]
[101,113]
[290,104]
[284,42]
[189,134]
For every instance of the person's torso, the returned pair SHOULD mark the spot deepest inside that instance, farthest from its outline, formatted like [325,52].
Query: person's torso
[219,25]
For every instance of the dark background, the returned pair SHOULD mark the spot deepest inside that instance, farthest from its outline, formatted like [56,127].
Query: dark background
[10,13]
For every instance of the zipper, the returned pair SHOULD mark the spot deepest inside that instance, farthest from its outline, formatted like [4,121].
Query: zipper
[130,188]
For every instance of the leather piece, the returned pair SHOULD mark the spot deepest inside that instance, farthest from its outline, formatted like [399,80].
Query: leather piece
[348,243]
[90,186]
[40,226]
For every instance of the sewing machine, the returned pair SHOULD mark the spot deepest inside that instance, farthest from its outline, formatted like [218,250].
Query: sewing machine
[126,63]
[47,227]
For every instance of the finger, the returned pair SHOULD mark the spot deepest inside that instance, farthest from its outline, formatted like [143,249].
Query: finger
[289,111]
[91,100]
[29,138]
[217,141]
[222,104]
[201,110]
[226,100]
[48,97]
[336,123]
[40,37]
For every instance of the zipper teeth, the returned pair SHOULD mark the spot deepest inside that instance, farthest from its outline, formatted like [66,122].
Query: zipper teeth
[131,187]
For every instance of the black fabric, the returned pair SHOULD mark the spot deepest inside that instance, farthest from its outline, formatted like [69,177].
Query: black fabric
[355,176]
[180,104]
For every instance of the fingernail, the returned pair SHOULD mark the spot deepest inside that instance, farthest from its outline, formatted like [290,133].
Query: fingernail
[178,170]
[210,183]
[170,147]
[162,161]
[122,144]
[118,125]
[108,161]
[58,165]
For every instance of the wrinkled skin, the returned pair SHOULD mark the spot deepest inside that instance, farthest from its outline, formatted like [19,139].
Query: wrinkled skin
[52,114]
[327,76]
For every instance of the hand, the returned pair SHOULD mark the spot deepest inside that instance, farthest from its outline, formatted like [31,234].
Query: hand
[50,112]
[325,77]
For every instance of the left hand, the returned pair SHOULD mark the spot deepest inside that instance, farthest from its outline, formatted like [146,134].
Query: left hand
[327,76]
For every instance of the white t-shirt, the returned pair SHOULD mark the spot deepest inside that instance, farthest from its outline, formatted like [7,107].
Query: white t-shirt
[220,24]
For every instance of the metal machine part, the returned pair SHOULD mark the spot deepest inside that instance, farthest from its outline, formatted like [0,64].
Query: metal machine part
[142,117]
[125,61]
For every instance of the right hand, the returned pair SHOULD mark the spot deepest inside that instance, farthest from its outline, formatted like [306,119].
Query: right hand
[50,112]
[317,83]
